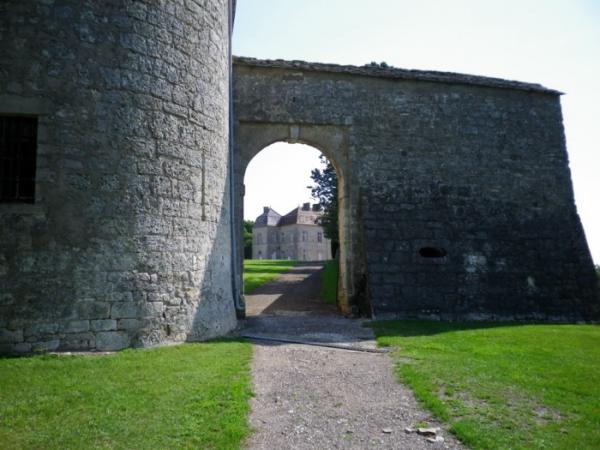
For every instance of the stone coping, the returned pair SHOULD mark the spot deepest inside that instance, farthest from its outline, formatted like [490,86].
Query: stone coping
[383,71]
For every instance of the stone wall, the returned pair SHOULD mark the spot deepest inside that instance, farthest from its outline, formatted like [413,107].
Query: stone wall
[455,192]
[310,249]
[457,200]
[128,241]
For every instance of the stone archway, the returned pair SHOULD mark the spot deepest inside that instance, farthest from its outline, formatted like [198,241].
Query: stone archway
[332,141]
[446,208]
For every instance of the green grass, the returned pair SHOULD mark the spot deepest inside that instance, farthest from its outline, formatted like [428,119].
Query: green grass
[258,271]
[504,386]
[185,396]
[329,280]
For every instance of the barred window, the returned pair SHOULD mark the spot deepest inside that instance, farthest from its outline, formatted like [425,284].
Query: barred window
[18,148]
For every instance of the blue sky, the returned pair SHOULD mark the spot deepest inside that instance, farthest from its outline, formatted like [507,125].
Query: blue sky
[551,42]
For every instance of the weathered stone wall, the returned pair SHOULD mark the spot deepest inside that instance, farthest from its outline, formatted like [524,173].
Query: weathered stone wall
[310,249]
[128,241]
[472,169]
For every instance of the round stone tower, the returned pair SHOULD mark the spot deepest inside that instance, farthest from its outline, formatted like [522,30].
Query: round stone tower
[114,197]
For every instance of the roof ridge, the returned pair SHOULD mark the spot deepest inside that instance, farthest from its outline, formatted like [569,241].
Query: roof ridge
[385,71]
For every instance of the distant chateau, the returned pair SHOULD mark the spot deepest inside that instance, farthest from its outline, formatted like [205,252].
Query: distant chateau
[296,235]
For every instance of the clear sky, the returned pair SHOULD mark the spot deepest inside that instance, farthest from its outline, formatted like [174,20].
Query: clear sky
[552,42]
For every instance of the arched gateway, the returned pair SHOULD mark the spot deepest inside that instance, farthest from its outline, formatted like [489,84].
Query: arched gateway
[455,191]
[120,180]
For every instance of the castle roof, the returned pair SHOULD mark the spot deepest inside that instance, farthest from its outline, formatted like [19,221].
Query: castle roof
[269,217]
[304,215]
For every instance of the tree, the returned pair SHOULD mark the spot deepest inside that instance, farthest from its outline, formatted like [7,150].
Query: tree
[325,190]
[248,225]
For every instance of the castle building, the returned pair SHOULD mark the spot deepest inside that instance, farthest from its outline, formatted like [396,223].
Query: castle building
[297,235]
[125,131]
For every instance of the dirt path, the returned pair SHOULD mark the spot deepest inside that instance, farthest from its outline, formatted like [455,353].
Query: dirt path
[315,397]
[296,291]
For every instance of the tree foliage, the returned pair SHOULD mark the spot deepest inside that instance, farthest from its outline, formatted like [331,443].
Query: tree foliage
[325,190]
[248,225]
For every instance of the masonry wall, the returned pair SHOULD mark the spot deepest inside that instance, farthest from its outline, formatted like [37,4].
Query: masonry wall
[309,250]
[266,246]
[127,243]
[473,171]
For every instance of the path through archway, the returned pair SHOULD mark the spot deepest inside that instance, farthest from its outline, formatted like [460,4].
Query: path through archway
[290,228]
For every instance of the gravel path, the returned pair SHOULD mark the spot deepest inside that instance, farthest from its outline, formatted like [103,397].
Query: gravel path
[315,397]
[294,292]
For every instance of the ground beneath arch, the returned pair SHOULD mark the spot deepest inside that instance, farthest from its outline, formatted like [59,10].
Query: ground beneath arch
[310,396]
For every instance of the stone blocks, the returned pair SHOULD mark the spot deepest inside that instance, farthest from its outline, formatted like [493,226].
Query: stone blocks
[131,173]
[455,193]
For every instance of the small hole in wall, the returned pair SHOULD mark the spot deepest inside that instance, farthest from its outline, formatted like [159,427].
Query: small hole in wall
[432,252]
[293,99]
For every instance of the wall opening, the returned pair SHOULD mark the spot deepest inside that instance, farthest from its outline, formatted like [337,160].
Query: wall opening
[18,152]
[291,222]
[432,252]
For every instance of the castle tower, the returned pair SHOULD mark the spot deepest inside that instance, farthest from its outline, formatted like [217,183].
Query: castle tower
[114,198]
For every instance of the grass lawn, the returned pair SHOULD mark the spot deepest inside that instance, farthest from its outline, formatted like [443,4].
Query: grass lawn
[185,396]
[329,280]
[504,386]
[258,271]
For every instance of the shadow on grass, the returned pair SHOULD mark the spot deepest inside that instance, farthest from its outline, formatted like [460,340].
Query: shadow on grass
[275,270]
[412,328]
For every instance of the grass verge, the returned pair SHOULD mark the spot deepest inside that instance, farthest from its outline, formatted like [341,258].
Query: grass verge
[504,386]
[258,271]
[329,281]
[185,396]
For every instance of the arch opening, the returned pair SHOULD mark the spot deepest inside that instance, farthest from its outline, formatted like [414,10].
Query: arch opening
[333,141]
[290,213]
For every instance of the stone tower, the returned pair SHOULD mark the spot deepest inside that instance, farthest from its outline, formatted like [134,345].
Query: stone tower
[117,233]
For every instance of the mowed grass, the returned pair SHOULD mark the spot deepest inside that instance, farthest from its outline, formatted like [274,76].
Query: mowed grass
[329,280]
[258,271]
[504,386]
[185,396]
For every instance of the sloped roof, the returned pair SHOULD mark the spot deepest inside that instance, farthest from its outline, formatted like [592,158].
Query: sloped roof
[299,215]
[269,217]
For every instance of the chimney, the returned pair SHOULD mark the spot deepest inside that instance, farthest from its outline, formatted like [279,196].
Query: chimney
[265,209]
[316,207]
[306,207]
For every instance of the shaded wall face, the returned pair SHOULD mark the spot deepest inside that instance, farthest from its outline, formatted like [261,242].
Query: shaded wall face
[127,242]
[461,201]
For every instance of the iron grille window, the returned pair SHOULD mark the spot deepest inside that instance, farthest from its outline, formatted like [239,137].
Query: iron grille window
[18,148]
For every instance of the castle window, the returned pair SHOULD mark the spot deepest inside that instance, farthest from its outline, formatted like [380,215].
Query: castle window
[304,236]
[319,237]
[18,148]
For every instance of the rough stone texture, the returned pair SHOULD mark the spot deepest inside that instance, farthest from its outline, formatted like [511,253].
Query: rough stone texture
[471,167]
[131,217]
[129,239]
